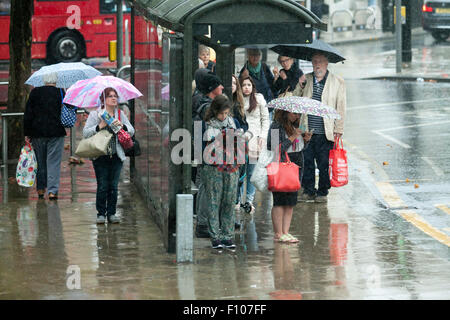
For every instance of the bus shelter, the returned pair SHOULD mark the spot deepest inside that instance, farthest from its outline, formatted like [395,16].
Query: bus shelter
[164,42]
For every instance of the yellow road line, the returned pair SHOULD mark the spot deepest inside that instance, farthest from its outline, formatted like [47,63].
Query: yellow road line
[394,201]
[421,224]
[443,207]
[390,195]
[392,198]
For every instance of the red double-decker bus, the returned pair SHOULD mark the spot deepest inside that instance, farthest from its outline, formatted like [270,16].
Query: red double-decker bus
[67,31]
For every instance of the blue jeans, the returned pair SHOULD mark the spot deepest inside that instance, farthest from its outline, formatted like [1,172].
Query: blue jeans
[107,171]
[318,150]
[251,190]
[48,155]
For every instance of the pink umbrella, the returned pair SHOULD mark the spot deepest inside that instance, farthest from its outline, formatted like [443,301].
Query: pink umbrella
[86,93]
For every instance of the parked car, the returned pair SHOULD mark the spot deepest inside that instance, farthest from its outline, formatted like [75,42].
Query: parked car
[436,18]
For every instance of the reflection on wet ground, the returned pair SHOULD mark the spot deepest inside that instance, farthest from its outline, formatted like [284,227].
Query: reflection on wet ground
[342,254]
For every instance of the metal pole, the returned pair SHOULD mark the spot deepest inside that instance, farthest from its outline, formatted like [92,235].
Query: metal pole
[119,34]
[127,44]
[5,140]
[132,80]
[72,141]
[398,32]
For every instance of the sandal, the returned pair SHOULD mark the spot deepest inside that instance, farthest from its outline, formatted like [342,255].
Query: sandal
[287,238]
[52,196]
[292,238]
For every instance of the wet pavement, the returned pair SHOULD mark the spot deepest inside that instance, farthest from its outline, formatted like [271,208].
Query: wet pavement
[351,248]
[379,237]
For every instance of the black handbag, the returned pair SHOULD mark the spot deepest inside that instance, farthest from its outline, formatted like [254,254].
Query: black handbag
[135,150]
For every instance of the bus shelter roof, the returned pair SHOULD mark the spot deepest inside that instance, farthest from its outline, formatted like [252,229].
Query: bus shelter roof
[172,14]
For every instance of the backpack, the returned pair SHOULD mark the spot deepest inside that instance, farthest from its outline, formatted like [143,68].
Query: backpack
[199,112]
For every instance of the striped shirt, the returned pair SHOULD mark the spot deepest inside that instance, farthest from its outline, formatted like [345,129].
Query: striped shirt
[316,122]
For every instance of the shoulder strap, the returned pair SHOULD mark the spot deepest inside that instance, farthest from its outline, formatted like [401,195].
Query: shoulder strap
[265,67]
[118,110]
[62,97]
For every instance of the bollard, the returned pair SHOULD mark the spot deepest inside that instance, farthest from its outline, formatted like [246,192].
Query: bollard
[184,229]
[112,50]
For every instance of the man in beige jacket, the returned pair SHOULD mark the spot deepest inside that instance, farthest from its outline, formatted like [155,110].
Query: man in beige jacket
[323,86]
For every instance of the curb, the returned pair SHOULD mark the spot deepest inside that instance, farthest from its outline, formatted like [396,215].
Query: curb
[386,36]
[408,78]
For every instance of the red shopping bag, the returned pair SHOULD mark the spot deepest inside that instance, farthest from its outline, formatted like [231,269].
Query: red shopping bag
[338,166]
[124,138]
[283,176]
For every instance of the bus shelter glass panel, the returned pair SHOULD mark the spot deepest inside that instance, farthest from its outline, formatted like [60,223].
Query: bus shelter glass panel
[148,107]
[165,116]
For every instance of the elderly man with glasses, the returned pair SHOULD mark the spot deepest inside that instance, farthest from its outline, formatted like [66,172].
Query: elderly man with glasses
[324,86]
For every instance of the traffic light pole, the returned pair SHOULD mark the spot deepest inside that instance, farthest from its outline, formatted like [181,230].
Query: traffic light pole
[119,53]
[406,33]
[398,34]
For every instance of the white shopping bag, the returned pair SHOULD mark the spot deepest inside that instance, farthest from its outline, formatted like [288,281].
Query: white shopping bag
[259,175]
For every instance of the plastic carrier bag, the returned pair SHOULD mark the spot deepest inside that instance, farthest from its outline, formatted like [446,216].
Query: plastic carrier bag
[26,167]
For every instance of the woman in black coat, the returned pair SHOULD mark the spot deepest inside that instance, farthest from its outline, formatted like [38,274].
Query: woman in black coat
[288,77]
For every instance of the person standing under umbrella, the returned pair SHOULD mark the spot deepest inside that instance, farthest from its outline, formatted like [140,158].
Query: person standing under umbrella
[107,168]
[287,78]
[324,86]
[292,142]
[43,128]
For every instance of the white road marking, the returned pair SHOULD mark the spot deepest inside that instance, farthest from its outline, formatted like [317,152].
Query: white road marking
[404,145]
[388,137]
[416,125]
[436,170]
[394,103]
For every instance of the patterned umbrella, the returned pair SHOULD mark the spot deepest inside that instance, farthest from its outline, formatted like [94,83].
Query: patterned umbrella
[304,105]
[68,74]
[86,93]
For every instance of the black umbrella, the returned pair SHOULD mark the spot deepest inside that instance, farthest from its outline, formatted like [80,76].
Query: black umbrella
[306,51]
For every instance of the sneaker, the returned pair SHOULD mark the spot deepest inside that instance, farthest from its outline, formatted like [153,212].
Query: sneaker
[216,244]
[304,197]
[321,199]
[101,219]
[41,194]
[248,207]
[228,244]
[113,219]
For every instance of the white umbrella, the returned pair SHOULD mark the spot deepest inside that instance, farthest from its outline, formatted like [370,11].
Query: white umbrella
[68,73]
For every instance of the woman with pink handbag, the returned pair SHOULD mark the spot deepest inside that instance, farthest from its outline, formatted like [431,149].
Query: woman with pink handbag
[107,168]
[290,147]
